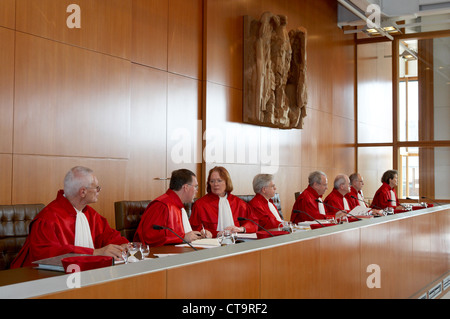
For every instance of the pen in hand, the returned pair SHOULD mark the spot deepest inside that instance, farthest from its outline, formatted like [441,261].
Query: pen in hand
[203,232]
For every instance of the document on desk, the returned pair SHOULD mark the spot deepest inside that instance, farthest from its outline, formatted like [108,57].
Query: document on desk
[361,211]
[203,243]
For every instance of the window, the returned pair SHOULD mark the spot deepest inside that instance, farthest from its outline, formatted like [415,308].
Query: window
[418,143]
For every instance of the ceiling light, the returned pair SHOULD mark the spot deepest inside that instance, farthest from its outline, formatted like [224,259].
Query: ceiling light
[409,55]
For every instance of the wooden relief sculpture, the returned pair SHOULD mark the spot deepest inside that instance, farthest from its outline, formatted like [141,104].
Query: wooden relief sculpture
[275,92]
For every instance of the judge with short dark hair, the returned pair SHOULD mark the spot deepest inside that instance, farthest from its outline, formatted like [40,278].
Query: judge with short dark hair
[168,211]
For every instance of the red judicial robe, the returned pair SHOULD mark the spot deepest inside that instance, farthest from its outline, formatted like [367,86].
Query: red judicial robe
[306,202]
[52,233]
[382,197]
[261,212]
[205,213]
[334,199]
[352,203]
[163,211]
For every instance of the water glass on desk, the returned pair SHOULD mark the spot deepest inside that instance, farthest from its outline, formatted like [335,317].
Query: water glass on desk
[145,251]
[134,251]
[227,237]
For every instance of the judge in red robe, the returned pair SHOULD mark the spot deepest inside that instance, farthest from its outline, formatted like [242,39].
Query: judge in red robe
[386,196]
[307,201]
[356,196]
[264,210]
[168,211]
[53,231]
[336,202]
[219,210]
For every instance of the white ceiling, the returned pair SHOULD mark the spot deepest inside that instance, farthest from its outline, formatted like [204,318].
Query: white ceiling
[418,15]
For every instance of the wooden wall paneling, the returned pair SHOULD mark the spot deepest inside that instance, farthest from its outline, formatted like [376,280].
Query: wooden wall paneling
[235,277]
[7,14]
[375,251]
[421,241]
[6,89]
[340,265]
[148,142]
[426,111]
[401,251]
[70,101]
[150,33]
[343,80]
[185,38]
[227,140]
[343,141]
[440,244]
[105,24]
[224,42]
[317,141]
[284,277]
[319,47]
[184,125]
[310,138]
[290,145]
[37,179]
[149,286]
[5,178]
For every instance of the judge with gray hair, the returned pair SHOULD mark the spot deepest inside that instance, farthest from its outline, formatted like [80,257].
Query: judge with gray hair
[265,212]
[309,205]
[70,225]
[335,202]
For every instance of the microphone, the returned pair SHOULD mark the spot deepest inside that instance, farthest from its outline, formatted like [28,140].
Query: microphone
[242,218]
[365,202]
[302,212]
[157,227]
[424,197]
[337,209]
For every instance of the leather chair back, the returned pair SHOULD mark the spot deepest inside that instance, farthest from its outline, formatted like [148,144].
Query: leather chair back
[14,229]
[128,215]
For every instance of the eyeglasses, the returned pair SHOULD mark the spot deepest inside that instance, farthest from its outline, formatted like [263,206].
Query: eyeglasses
[214,181]
[195,186]
[97,188]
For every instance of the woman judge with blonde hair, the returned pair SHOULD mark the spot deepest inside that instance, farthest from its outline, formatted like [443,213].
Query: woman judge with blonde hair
[219,210]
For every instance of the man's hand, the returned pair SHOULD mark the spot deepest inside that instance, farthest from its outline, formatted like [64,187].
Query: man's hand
[110,250]
[193,235]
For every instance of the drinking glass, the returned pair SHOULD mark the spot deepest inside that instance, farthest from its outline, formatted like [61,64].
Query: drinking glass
[145,251]
[133,248]
[227,237]
[125,255]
